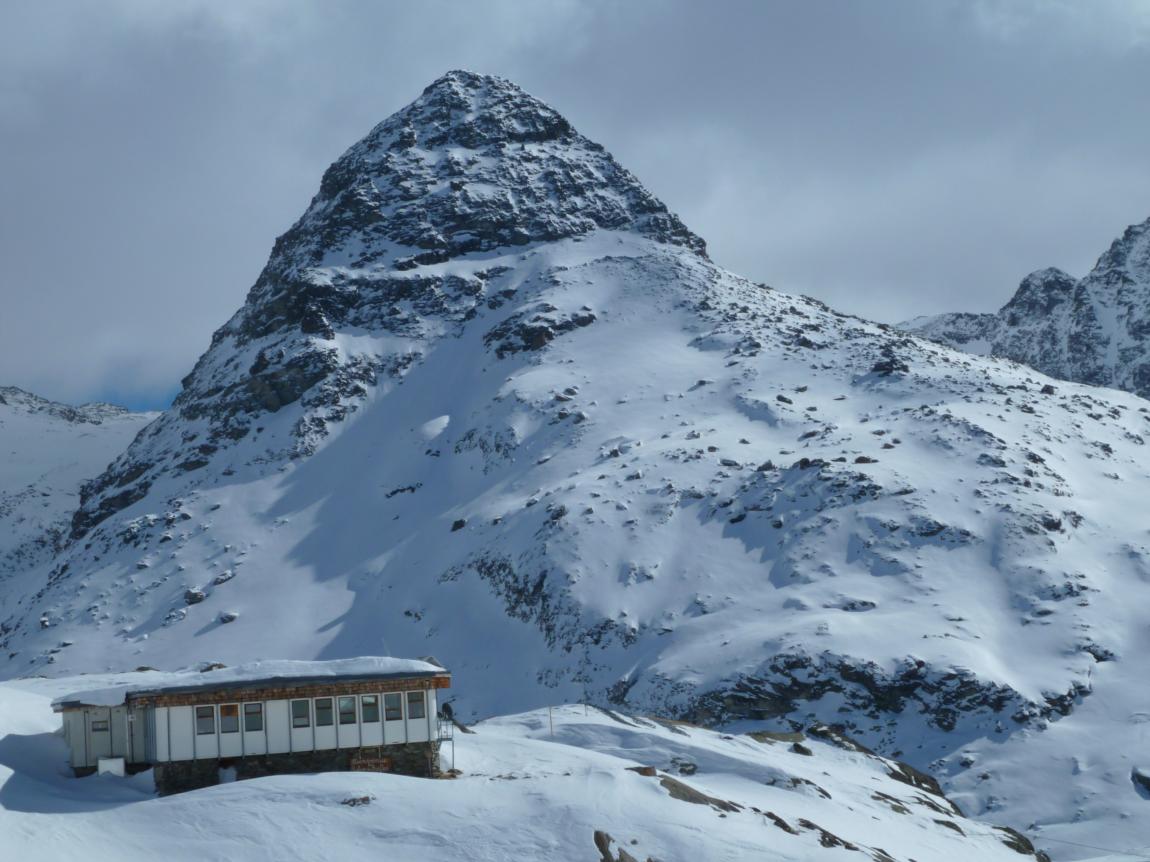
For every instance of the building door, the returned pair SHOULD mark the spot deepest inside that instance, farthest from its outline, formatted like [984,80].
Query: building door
[99,733]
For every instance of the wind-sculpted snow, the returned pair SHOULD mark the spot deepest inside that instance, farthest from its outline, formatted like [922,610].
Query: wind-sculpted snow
[1094,330]
[592,465]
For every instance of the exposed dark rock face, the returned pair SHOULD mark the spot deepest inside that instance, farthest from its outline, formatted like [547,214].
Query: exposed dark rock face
[1141,779]
[534,329]
[792,686]
[515,172]
[1095,330]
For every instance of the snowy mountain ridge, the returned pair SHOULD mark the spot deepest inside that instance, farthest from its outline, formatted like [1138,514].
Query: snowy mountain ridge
[50,450]
[1092,330]
[541,436]
[18,400]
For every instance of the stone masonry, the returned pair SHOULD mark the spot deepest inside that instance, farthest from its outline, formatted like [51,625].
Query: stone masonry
[420,759]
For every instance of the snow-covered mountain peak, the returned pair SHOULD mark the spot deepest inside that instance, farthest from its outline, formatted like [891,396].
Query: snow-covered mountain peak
[473,164]
[1092,330]
[21,401]
[472,169]
[1041,292]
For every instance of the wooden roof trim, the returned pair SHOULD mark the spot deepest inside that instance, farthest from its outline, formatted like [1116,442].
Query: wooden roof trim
[281,690]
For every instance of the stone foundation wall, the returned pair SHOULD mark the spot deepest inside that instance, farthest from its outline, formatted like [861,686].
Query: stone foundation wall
[420,759]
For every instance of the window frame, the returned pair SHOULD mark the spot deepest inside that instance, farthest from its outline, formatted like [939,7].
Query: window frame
[366,700]
[96,725]
[329,709]
[233,715]
[296,718]
[417,698]
[398,696]
[258,712]
[199,714]
[341,714]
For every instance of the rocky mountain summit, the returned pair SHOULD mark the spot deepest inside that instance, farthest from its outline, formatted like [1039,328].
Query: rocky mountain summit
[489,400]
[1092,330]
[473,165]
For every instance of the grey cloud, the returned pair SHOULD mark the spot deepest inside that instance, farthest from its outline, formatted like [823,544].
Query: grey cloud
[893,159]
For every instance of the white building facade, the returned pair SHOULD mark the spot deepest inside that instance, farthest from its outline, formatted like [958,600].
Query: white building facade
[373,713]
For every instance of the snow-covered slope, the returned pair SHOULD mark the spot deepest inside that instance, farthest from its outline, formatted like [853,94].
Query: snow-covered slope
[1095,330]
[49,450]
[563,786]
[490,401]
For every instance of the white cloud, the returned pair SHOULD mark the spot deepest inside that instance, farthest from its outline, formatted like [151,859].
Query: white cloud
[1113,24]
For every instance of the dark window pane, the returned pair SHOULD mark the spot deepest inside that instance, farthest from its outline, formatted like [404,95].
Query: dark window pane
[393,707]
[323,716]
[229,718]
[347,710]
[415,704]
[369,708]
[300,713]
[253,716]
[205,720]
[100,725]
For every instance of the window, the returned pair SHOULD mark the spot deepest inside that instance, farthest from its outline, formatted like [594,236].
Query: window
[229,718]
[300,713]
[205,720]
[323,716]
[101,725]
[415,704]
[347,710]
[393,707]
[369,708]
[253,716]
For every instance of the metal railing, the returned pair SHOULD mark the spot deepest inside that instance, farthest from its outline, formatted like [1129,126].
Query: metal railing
[445,733]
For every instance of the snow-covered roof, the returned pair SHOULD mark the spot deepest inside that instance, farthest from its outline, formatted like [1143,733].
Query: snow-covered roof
[251,674]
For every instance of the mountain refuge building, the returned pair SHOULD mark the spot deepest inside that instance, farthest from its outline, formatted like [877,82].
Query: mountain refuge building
[196,729]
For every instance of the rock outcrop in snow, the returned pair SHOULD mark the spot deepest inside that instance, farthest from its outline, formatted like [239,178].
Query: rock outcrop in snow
[1094,330]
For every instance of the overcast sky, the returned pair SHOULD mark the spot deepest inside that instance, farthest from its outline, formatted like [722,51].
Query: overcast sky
[891,158]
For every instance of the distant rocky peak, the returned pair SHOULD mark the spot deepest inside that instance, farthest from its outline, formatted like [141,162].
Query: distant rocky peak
[1041,292]
[18,399]
[1129,255]
[1092,330]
